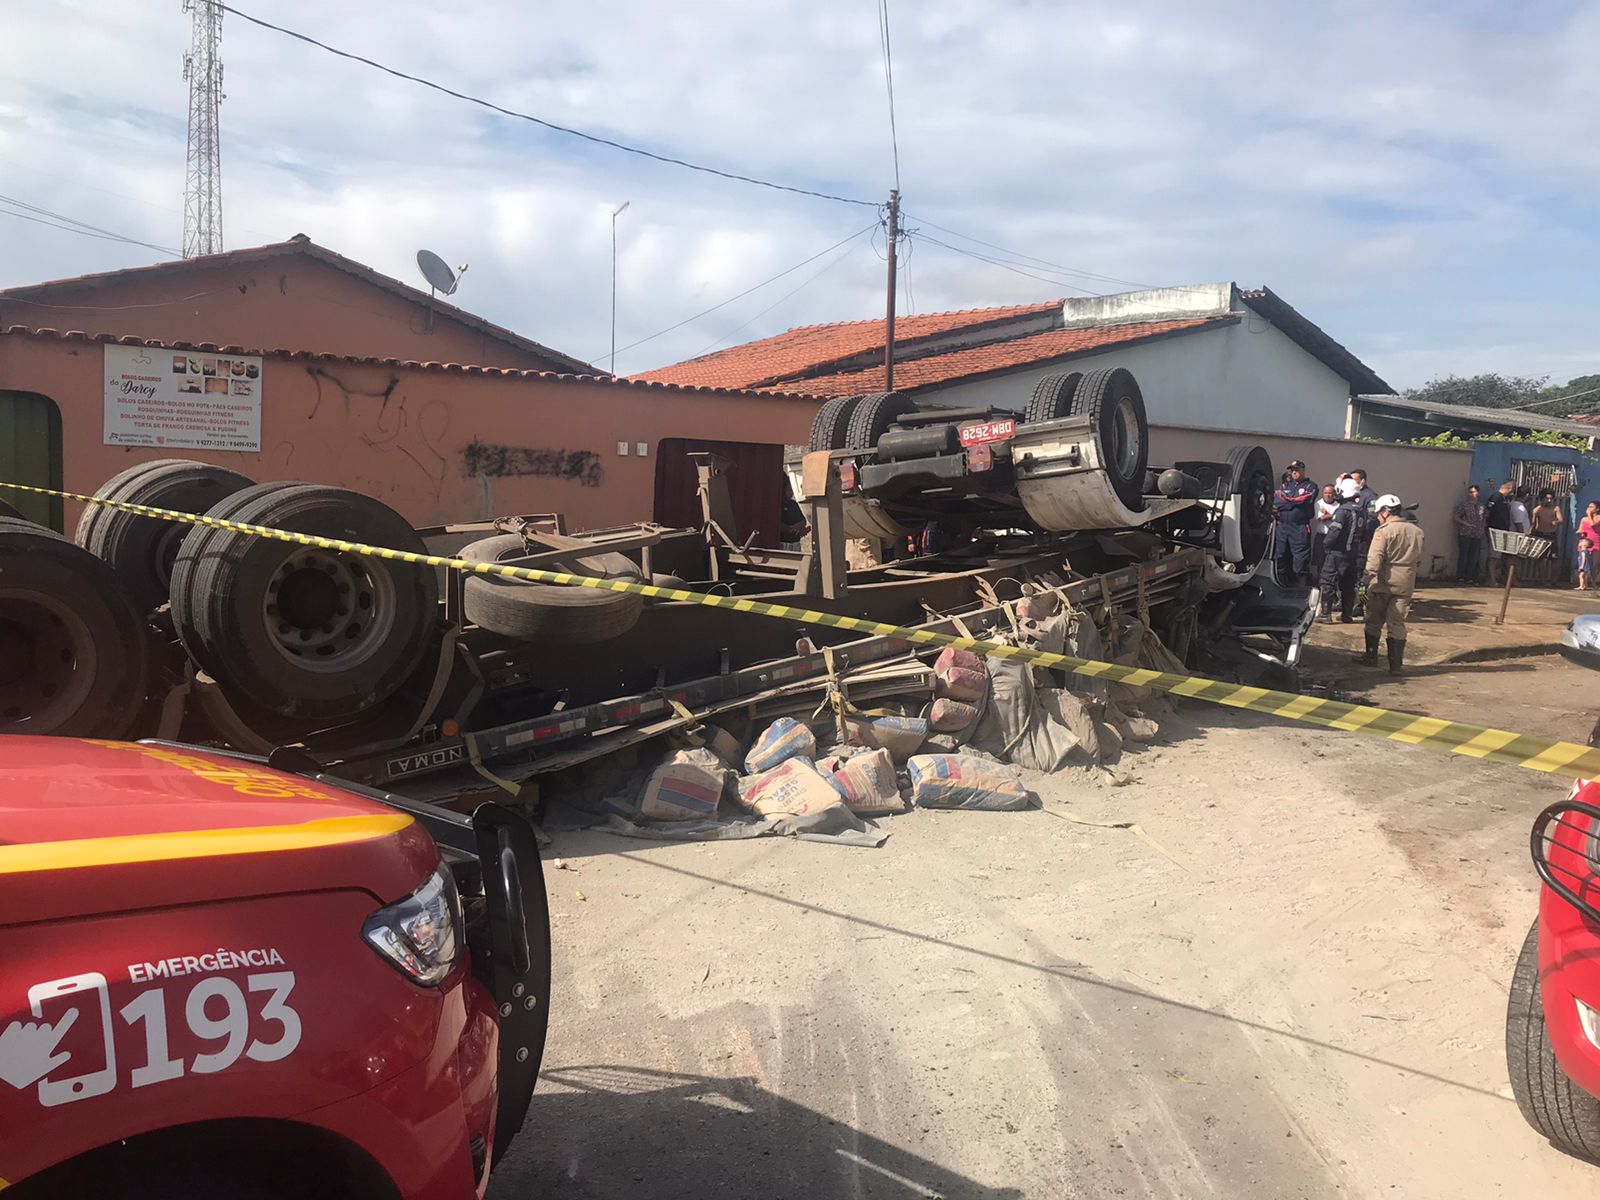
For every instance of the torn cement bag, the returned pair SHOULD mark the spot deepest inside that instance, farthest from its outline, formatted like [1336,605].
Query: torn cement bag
[962,781]
[1019,727]
[868,784]
[784,738]
[1142,648]
[688,785]
[900,736]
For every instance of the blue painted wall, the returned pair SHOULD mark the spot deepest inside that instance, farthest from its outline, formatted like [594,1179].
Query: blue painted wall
[1491,465]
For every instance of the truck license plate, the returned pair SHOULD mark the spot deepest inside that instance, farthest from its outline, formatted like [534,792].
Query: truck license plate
[989,431]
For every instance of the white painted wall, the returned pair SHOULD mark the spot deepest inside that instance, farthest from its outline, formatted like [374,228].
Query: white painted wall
[1243,376]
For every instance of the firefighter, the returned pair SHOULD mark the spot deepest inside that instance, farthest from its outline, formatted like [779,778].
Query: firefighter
[1294,505]
[1391,574]
[1341,552]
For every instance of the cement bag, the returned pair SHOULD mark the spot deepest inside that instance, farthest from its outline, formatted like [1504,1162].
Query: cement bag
[962,781]
[961,684]
[951,659]
[723,744]
[688,786]
[867,783]
[951,716]
[794,788]
[784,738]
[900,736]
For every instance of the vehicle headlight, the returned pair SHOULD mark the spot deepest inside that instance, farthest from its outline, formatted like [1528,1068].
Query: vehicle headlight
[421,935]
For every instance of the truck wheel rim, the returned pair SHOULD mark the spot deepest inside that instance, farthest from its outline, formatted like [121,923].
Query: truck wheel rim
[47,661]
[1126,443]
[326,611]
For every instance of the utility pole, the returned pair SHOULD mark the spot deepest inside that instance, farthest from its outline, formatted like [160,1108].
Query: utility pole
[614,217]
[888,318]
[202,188]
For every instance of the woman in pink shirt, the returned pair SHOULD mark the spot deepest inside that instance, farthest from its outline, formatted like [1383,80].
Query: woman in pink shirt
[1588,545]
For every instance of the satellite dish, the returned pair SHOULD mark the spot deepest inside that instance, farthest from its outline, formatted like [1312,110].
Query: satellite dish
[437,272]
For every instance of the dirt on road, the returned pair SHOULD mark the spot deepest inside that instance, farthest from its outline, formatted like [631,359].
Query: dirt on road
[1291,985]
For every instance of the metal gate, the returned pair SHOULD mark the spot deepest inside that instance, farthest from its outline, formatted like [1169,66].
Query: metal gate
[1538,476]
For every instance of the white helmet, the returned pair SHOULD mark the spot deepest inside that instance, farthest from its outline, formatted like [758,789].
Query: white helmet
[1349,488]
[1387,500]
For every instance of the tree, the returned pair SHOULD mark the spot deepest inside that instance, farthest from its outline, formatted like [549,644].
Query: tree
[1492,390]
[1585,390]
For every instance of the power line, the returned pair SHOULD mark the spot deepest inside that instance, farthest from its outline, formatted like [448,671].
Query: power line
[888,82]
[1028,258]
[551,125]
[73,225]
[753,288]
[1005,265]
[786,296]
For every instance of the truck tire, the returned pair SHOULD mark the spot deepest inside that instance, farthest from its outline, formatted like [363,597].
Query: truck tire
[1115,407]
[871,418]
[142,550]
[1052,397]
[1251,486]
[297,630]
[832,423]
[192,551]
[74,654]
[1550,1101]
[548,612]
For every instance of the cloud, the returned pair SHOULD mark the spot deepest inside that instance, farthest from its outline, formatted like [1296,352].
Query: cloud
[1417,179]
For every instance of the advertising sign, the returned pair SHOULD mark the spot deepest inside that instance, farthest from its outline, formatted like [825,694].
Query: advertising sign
[182,399]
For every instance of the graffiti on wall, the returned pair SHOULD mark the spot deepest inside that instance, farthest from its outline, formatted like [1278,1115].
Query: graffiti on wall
[488,460]
[378,423]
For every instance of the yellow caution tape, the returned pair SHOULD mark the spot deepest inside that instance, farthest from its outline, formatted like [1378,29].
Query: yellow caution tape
[1474,741]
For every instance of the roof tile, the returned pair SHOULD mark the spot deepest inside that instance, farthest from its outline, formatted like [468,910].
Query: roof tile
[772,359]
[974,361]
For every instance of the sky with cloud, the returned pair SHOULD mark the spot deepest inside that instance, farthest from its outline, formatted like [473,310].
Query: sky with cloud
[1418,177]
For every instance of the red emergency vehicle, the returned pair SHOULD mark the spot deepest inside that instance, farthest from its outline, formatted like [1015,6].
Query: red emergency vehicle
[1553,1014]
[220,978]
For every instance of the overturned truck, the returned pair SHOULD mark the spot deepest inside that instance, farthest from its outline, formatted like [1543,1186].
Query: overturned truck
[441,684]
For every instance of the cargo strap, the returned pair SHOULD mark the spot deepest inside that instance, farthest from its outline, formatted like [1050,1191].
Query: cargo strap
[1454,737]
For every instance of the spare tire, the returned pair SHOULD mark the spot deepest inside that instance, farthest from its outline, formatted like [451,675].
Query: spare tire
[299,630]
[74,654]
[548,612]
[871,417]
[142,550]
[832,423]
[1115,407]
[1250,490]
[1052,397]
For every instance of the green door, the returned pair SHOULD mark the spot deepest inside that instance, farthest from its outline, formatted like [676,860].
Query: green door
[30,452]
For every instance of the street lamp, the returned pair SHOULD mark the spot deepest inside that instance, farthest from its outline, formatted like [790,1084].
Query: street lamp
[615,214]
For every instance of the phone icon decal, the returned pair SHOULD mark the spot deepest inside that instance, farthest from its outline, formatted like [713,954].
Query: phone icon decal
[65,1002]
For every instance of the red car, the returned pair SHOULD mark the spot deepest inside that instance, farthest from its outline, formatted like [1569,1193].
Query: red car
[222,979]
[1553,1015]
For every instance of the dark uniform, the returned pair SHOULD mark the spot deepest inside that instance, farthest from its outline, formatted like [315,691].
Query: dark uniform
[1343,553]
[1295,505]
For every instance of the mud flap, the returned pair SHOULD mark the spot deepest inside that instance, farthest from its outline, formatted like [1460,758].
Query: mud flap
[518,968]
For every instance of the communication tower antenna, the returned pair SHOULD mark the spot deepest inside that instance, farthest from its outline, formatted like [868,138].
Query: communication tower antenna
[202,188]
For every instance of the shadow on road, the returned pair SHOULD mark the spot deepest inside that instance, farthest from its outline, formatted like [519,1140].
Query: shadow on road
[1074,973]
[627,1133]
